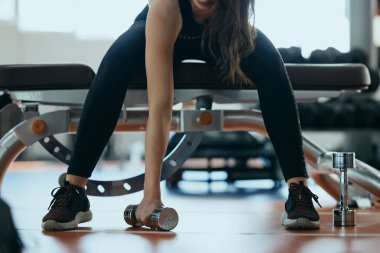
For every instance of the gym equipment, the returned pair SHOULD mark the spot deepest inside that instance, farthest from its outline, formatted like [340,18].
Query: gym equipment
[343,216]
[130,217]
[163,218]
[241,156]
[65,86]
[345,113]
[332,56]
[292,55]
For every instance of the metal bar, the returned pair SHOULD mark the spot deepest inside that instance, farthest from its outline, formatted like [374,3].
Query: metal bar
[318,159]
[10,148]
[343,179]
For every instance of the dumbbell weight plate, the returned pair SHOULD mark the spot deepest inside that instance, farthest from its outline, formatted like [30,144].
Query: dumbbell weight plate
[130,216]
[164,218]
[344,217]
[343,160]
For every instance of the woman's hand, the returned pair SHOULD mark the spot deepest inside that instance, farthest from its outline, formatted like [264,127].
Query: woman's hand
[145,209]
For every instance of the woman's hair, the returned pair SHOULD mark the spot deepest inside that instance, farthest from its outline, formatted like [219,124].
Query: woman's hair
[229,28]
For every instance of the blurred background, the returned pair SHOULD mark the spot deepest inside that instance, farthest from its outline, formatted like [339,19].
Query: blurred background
[304,31]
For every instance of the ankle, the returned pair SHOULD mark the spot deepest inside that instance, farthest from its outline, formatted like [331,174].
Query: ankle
[297,180]
[76,180]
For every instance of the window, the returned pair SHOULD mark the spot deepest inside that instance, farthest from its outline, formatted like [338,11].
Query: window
[7,10]
[308,24]
[88,19]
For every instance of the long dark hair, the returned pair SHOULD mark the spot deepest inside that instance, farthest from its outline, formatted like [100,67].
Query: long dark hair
[229,28]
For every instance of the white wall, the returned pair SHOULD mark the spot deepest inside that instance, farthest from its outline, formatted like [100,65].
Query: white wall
[82,30]
[10,44]
[48,47]
[57,31]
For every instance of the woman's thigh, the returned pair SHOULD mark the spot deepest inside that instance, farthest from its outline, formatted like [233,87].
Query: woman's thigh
[265,66]
[125,58]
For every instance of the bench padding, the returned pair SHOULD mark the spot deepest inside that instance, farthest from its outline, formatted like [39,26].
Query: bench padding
[45,76]
[186,76]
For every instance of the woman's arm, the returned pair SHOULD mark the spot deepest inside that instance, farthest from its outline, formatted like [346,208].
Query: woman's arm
[162,28]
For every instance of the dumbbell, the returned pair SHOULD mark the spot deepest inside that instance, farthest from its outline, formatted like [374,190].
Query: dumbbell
[343,216]
[162,218]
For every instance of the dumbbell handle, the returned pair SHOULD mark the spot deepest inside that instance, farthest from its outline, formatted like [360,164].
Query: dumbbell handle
[343,185]
[343,161]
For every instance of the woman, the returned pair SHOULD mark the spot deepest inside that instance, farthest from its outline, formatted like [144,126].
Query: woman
[164,33]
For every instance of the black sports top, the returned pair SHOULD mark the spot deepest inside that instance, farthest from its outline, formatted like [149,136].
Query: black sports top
[190,28]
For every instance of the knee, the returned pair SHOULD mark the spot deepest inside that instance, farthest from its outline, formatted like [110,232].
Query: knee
[270,78]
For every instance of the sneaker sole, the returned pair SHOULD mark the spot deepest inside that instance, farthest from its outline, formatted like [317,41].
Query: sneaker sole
[53,225]
[300,223]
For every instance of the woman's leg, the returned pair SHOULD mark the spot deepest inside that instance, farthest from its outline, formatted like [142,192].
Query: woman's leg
[123,61]
[279,109]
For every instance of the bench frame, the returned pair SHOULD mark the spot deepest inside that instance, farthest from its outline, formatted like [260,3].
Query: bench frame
[193,122]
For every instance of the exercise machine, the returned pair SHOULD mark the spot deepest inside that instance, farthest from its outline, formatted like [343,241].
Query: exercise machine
[64,86]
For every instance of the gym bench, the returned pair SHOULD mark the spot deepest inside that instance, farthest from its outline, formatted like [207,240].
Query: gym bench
[64,86]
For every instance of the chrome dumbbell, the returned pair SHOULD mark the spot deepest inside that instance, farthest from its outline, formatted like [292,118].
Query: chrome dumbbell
[343,216]
[130,217]
[162,218]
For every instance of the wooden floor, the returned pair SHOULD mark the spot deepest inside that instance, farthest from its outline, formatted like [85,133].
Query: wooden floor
[214,218]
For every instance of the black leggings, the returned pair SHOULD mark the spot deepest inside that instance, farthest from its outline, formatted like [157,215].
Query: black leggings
[126,59]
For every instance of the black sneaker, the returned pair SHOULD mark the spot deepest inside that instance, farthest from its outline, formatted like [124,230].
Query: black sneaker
[299,209]
[69,207]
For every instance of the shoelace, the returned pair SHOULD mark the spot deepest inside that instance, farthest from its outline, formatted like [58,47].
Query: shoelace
[301,187]
[62,196]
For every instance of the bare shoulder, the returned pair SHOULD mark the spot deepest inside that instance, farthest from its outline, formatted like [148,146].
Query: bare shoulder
[164,3]
[165,17]
[167,8]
